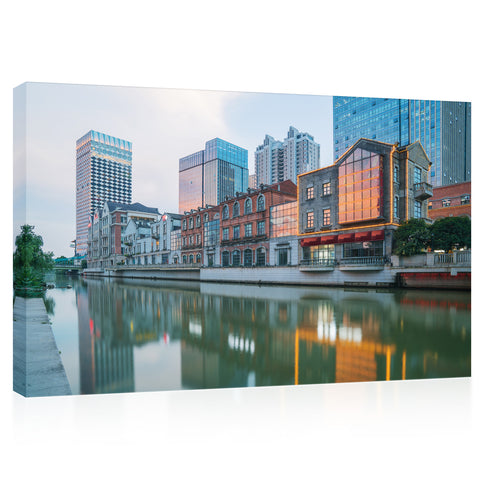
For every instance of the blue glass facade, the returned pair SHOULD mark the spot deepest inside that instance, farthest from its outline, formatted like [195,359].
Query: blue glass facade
[206,177]
[443,129]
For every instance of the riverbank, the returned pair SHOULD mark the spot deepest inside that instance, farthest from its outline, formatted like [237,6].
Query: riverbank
[37,366]
[377,276]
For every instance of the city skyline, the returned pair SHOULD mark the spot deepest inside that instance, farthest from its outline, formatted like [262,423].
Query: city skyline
[163,125]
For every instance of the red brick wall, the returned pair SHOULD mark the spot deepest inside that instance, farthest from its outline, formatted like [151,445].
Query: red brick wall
[454,193]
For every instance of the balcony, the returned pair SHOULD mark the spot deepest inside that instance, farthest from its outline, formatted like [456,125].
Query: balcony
[422,191]
[362,263]
[317,265]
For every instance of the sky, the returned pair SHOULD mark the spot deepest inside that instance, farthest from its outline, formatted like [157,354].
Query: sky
[163,126]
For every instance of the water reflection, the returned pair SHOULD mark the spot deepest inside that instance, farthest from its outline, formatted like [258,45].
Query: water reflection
[142,335]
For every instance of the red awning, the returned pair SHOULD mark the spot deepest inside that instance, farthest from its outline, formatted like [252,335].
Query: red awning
[362,236]
[346,237]
[329,239]
[378,234]
[311,241]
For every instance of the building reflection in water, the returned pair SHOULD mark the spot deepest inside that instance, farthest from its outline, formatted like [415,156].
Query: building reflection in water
[239,335]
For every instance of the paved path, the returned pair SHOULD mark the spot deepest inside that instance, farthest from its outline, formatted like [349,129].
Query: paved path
[37,367]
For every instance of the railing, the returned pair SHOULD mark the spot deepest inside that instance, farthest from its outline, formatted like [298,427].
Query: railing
[318,262]
[363,261]
[422,190]
[460,257]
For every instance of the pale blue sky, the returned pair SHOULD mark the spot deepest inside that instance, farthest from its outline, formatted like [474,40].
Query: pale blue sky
[163,126]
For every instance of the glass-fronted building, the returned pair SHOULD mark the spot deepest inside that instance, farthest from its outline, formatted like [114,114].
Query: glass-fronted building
[208,176]
[103,173]
[443,129]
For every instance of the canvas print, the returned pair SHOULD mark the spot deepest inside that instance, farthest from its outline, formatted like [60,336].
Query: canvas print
[179,239]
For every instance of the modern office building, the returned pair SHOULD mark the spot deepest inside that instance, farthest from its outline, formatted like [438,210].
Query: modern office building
[104,173]
[443,129]
[208,176]
[276,161]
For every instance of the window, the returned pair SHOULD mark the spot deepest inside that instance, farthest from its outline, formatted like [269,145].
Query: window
[446,202]
[309,219]
[261,227]
[248,258]
[417,213]
[309,193]
[417,175]
[184,223]
[190,258]
[465,199]
[396,173]
[326,189]
[190,222]
[248,206]
[236,231]
[326,216]
[260,203]
[198,238]
[198,258]
[184,259]
[236,258]
[260,257]
[395,207]
[283,256]
[225,234]
[198,221]
[430,205]
[363,249]
[225,258]
[205,218]
[225,212]
[236,209]
[248,229]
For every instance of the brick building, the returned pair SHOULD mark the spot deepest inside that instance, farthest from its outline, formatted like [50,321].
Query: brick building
[245,224]
[451,201]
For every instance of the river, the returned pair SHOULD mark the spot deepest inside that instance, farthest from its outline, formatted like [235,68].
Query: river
[145,335]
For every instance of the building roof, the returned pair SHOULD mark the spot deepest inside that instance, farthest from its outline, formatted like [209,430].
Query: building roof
[135,207]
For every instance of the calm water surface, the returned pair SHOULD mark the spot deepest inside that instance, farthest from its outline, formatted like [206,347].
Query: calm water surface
[141,335]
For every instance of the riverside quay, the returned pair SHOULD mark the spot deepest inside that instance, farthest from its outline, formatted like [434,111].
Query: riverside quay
[335,227]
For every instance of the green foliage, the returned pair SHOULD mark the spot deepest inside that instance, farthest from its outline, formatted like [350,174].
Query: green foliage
[451,233]
[84,263]
[411,237]
[29,261]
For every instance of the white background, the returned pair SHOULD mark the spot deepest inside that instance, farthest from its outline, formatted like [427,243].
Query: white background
[408,49]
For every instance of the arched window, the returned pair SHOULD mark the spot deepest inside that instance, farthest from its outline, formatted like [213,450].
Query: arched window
[225,212]
[184,223]
[248,206]
[236,258]
[260,203]
[198,221]
[190,258]
[225,258]
[261,257]
[175,259]
[236,209]
[190,222]
[199,258]
[184,259]
[205,218]
[248,258]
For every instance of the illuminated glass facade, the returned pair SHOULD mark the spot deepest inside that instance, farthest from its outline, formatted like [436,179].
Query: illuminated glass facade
[443,128]
[360,189]
[103,173]
[206,177]
[283,220]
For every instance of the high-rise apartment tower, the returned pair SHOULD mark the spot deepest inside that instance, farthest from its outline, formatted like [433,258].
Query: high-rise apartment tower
[443,129]
[104,173]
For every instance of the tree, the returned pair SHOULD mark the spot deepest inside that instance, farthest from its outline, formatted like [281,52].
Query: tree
[411,237]
[451,233]
[29,261]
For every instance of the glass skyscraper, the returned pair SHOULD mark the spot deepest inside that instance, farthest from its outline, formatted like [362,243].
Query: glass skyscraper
[104,173]
[206,177]
[443,129]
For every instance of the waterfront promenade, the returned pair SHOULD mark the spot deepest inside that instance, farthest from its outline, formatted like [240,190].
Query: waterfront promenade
[37,366]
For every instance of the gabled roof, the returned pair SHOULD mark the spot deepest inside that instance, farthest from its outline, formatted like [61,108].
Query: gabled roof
[130,207]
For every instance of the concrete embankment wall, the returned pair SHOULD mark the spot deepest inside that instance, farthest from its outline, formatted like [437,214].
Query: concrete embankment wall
[37,366]
[152,274]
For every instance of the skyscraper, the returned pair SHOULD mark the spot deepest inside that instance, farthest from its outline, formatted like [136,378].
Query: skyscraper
[276,161]
[207,176]
[443,129]
[104,173]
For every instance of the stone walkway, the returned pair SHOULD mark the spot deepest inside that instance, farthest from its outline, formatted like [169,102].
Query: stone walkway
[37,367]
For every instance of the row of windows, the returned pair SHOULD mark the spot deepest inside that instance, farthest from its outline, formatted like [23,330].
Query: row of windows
[250,258]
[248,207]
[248,230]
[326,190]
[326,218]
[197,221]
